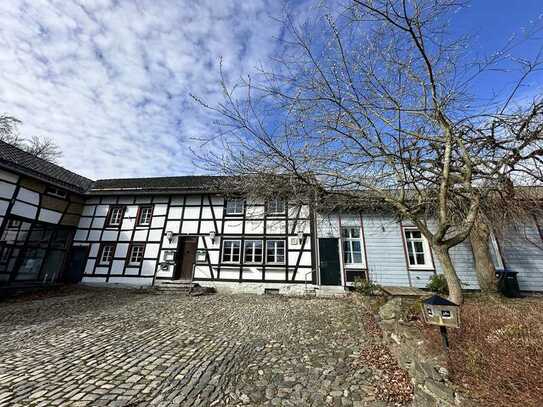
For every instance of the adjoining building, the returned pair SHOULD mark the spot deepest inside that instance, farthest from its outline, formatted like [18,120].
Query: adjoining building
[59,226]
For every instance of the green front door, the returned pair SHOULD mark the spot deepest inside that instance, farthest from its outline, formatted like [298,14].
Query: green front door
[329,261]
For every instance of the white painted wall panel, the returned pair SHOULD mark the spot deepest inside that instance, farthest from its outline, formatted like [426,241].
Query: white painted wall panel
[155,235]
[254,227]
[109,235]
[84,222]
[206,213]
[191,213]
[3,207]
[89,267]
[49,216]
[522,249]
[175,213]
[232,226]
[121,250]
[24,210]
[277,227]
[140,235]
[125,236]
[148,267]
[385,251]
[29,196]
[94,235]
[207,226]
[88,210]
[160,209]
[131,271]
[189,226]
[151,250]
[117,266]
[98,223]
[173,226]
[93,252]
[158,221]
[193,200]
[81,234]
[101,210]
[6,190]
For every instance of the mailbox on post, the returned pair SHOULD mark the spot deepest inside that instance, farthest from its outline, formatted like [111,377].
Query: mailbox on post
[440,311]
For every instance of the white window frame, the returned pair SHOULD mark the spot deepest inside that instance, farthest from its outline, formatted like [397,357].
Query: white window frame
[273,207]
[138,246]
[148,217]
[350,241]
[121,210]
[409,242]
[231,251]
[110,256]
[276,251]
[235,206]
[252,243]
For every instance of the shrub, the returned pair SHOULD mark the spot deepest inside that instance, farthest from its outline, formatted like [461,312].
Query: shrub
[438,284]
[365,287]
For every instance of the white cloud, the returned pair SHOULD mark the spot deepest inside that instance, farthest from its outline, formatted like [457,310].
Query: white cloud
[109,81]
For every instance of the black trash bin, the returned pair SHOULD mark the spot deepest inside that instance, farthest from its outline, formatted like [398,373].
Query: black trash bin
[508,283]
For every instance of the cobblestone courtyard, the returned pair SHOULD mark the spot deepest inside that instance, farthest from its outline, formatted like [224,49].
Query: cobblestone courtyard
[121,347]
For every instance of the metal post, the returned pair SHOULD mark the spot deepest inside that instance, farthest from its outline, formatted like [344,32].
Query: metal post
[444,337]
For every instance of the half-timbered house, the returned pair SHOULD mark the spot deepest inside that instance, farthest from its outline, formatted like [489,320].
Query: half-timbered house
[58,226]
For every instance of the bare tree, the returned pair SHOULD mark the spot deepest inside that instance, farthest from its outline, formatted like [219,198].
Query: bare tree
[371,106]
[42,147]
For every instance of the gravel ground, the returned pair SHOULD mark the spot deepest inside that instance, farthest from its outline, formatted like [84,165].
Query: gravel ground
[122,347]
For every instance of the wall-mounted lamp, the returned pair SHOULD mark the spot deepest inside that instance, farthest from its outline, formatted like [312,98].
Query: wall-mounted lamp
[212,235]
[300,236]
[170,235]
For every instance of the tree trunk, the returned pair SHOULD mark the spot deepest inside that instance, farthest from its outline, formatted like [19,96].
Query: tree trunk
[484,266]
[455,288]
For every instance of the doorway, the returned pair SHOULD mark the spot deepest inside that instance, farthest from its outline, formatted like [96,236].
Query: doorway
[186,255]
[76,264]
[330,267]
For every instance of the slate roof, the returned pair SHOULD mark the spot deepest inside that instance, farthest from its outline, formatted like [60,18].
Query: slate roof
[189,183]
[14,158]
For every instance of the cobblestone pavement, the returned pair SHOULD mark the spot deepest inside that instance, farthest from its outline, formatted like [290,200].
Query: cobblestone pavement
[121,347]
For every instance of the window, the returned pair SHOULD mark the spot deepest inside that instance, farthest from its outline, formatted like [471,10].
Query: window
[115,216]
[352,246]
[106,254]
[231,251]
[55,192]
[418,251]
[253,251]
[136,254]
[275,251]
[144,216]
[275,206]
[234,206]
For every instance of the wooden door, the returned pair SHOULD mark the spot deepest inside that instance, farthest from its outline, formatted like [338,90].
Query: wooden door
[330,268]
[186,257]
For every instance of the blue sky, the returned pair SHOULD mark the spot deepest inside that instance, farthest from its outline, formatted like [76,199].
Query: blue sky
[110,80]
